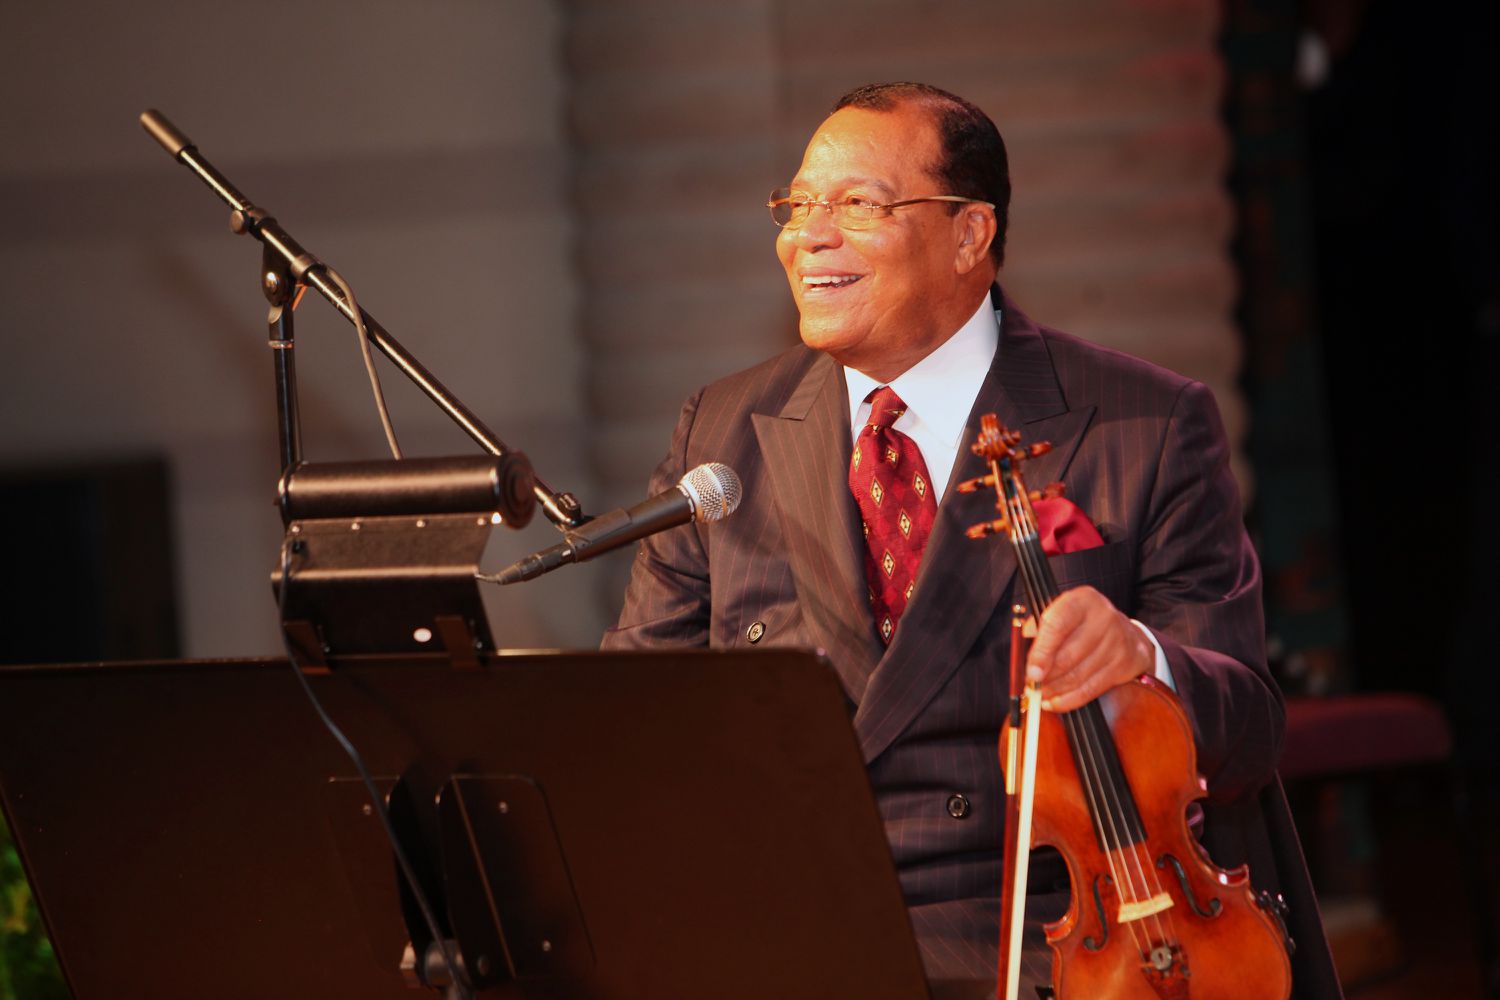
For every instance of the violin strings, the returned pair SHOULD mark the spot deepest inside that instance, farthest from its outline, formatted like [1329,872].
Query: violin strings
[1109,839]
[1083,725]
[1039,582]
[1040,586]
[1106,798]
[1092,730]
[1096,725]
[1088,729]
[1142,862]
[1134,847]
[1137,843]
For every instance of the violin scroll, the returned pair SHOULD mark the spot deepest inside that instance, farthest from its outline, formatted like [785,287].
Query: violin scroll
[997,443]
[1000,447]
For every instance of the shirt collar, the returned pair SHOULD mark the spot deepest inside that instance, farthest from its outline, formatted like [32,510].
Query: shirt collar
[940,389]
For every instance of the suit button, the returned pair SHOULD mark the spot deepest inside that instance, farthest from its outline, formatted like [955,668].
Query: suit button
[958,806]
[755,631]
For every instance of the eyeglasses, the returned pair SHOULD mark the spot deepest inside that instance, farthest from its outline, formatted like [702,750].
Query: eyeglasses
[790,209]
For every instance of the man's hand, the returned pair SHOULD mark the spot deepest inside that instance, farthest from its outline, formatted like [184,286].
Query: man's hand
[1083,648]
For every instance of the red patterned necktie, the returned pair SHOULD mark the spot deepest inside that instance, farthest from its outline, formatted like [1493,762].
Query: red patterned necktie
[890,484]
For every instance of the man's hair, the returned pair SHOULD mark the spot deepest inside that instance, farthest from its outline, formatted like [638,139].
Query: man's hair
[972,161]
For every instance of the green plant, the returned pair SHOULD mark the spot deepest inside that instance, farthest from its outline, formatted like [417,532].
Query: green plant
[28,967]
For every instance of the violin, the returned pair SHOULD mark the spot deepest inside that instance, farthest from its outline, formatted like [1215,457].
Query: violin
[1108,785]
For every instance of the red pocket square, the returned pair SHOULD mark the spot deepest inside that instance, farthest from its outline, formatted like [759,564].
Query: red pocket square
[1064,527]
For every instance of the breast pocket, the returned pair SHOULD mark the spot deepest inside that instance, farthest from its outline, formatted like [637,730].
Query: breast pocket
[1109,569]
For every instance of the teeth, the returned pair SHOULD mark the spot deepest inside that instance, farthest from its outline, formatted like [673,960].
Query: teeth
[829,279]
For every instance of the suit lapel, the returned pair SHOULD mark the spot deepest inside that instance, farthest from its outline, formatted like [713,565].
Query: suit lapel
[806,447]
[963,581]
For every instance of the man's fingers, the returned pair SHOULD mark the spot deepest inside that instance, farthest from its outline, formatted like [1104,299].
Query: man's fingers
[1083,648]
[1082,687]
[1082,652]
[1058,623]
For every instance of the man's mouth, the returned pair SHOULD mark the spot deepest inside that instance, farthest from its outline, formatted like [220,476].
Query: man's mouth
[828,281]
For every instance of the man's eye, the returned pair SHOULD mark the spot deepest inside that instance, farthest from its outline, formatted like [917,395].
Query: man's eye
[858,201]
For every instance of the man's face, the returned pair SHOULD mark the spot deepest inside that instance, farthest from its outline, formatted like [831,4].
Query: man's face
[895,285]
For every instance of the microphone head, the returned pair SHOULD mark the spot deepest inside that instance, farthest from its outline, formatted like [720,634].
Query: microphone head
[714,489]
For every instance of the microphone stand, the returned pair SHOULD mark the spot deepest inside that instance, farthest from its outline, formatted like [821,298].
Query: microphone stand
[286,270]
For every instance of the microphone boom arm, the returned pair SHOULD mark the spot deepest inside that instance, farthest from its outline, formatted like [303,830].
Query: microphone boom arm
[286,265]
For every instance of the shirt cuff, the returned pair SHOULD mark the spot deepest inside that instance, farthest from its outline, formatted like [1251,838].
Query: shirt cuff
[1163,672]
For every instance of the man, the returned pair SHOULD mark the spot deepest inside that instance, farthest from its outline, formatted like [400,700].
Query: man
[892,236]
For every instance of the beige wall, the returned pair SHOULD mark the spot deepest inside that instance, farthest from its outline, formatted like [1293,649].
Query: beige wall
[417,147]
[557,207]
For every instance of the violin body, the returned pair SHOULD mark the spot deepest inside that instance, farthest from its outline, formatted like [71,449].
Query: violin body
[1150,917]
[1154,918]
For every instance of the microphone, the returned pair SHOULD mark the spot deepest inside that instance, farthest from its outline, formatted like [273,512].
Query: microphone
[709,493]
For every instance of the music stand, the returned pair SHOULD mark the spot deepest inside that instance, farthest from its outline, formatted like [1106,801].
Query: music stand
[687,824]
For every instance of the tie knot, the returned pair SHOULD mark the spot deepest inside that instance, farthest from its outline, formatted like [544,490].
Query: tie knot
[885,407]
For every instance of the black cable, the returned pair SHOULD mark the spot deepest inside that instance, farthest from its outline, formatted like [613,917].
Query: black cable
[455,973]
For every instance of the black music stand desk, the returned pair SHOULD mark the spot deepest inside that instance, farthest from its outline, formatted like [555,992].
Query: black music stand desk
[653,825]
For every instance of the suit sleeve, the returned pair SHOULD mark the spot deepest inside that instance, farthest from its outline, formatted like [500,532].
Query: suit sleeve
[1199,591]
[667,600]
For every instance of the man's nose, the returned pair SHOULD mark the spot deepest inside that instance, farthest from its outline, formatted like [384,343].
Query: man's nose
[817,230]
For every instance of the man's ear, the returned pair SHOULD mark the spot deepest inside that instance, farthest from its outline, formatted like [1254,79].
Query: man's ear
[976,230]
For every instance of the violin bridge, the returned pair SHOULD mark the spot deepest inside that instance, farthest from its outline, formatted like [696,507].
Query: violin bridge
[1139,909]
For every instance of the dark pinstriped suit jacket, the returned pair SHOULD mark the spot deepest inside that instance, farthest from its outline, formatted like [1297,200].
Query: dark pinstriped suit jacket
[1142,452]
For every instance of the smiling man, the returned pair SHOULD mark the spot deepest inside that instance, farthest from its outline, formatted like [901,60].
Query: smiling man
[851,536]
[881,288]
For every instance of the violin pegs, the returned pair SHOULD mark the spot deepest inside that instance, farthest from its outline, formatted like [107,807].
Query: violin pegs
[975,485]
[986,528]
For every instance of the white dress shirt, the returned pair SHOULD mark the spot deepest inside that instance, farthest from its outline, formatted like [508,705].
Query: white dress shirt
[939,392]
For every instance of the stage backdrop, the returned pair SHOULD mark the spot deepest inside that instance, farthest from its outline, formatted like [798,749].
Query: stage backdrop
[558,207]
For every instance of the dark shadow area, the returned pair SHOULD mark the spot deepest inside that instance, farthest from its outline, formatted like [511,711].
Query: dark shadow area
[91,559]
[1367,162]
[92,578]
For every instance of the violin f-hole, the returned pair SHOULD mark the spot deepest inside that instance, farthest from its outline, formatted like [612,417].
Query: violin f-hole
[1090,942]
[1214,906]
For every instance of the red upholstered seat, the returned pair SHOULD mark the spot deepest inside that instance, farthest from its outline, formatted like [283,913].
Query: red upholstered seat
[1363,736]
[1346,734]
